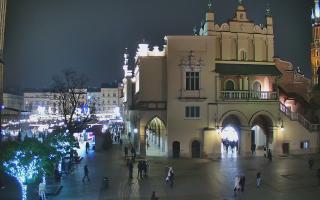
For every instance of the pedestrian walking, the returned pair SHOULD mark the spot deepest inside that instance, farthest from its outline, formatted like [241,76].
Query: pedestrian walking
[236,184]
[258,179]
[145,167]
[242,182]
[130,168]
[168,174]
[120,142]
[140,167]
[42,191]
[253,149]
[87,147]
[265,151]
[153,196]
[86,173]
[133,154]
[318,175]
[171,178]
[125,152]
[269,155]
[310,162]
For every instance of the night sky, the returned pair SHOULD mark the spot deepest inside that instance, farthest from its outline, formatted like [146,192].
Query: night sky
[43,37]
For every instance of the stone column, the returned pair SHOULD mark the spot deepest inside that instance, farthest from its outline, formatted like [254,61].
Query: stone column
[211,143]
[245,141]
[142,141]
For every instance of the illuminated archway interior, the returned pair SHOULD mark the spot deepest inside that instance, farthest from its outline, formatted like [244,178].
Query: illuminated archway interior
[156,138]
[230,134]
[229,142]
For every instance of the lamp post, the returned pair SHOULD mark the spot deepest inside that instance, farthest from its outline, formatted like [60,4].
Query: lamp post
[1,108]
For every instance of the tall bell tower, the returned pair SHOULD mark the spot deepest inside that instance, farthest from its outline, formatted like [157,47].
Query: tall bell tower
[3,8]
[315,44]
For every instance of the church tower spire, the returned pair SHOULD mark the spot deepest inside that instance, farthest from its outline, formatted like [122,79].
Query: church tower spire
[315,44]
[209,23]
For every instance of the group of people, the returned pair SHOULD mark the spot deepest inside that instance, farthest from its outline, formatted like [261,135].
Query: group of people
[232,144]
[132,151]
[143,168]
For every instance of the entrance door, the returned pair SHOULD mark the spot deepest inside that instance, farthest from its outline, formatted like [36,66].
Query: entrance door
[176,149]
[195,149]
[285,148]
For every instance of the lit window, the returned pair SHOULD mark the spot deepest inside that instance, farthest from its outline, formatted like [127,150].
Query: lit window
[192,80]
[192,112]
[305,144]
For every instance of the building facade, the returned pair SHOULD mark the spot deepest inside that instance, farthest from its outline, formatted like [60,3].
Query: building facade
[218,87]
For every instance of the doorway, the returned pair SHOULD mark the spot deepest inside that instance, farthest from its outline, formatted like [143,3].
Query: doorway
[176,149]
[195,149]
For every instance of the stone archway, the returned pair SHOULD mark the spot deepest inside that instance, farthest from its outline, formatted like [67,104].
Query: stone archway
[156,137]
[261,133]
[230,135]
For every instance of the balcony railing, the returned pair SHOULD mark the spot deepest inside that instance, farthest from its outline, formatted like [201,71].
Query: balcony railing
[294,116]
[248,95]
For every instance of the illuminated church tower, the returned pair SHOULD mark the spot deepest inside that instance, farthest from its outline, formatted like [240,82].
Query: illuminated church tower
[315,44]
[3,6]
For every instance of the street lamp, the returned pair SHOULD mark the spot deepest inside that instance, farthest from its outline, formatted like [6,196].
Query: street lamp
[1,108]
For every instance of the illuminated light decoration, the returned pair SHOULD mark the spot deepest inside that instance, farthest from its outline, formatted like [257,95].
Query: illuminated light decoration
[23,171]
[135,130]
[104,128]
[41,110]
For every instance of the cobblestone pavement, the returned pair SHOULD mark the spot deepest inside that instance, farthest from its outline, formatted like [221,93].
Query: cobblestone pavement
[284,178]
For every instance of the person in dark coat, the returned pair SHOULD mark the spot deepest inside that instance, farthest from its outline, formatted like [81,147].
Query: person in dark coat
[130,168]
[125,152]
[171,178]
[140,168]
[86,173]
[242,182]
[153,196]
[310,162]
[87,147]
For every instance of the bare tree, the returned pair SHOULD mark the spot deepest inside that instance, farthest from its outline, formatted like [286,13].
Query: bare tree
[69,89]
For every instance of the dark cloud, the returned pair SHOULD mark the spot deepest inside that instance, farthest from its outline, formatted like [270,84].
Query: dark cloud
[44,37]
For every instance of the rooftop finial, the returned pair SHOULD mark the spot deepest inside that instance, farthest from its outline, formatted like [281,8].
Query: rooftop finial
[210,5]
[268,10]
[240,1]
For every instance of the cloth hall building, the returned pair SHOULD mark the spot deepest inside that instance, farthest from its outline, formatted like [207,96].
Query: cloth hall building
[221,84]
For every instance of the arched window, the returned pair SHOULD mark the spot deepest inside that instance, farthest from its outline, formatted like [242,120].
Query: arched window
[257,86]
[229,85]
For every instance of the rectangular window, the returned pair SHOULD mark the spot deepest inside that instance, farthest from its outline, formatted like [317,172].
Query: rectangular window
[192,80]
[305,144]
[192,112]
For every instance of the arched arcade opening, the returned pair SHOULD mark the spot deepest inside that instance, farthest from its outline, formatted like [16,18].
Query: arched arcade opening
[230,136]
[156,138]
[261,134]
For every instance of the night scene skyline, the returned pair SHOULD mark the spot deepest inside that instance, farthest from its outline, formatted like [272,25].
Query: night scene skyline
[215,99]
[44,37]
